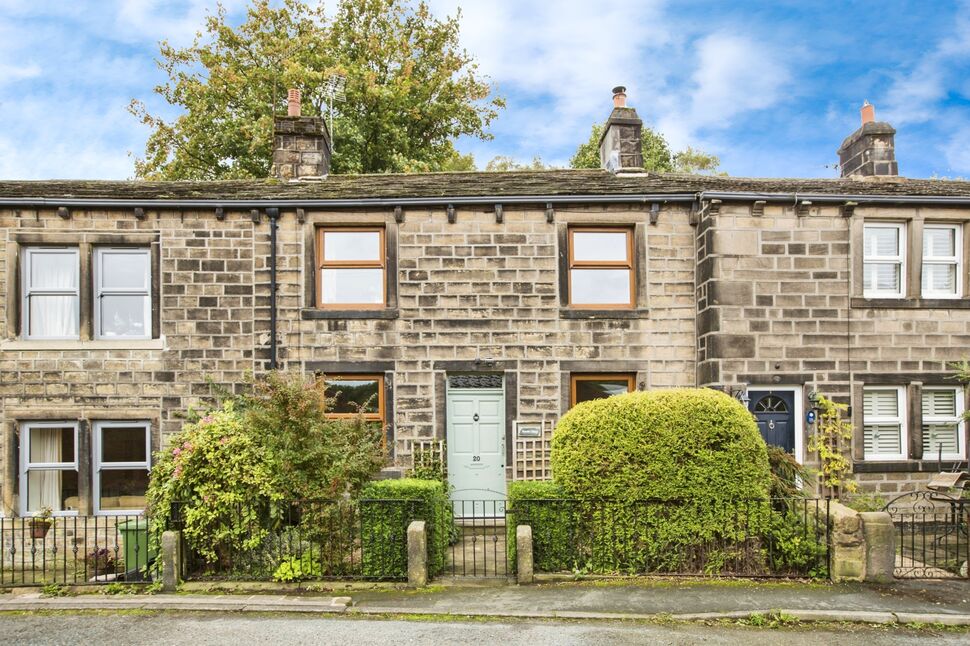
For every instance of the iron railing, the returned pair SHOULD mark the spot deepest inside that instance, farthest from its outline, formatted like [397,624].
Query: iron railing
[74,550]
[477,545]
[749,538]
[932,535]
[301,541]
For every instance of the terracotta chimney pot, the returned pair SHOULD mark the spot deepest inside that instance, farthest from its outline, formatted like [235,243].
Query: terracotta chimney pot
[619,97]
[293,103]
[868,113]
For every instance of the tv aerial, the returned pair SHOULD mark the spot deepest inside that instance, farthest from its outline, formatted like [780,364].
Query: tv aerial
[333,91]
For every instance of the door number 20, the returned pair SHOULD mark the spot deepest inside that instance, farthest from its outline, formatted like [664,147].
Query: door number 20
[476,458]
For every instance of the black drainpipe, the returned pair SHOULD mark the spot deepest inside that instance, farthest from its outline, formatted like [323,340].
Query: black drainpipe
[274,216]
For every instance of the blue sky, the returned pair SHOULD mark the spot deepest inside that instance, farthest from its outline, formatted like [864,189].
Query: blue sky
[771,87]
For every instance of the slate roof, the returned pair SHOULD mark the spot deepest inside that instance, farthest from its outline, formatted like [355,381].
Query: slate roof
[478,184]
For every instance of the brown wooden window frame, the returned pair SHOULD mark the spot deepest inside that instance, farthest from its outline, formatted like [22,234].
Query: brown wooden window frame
[370,417]
[323,264]
[574,379]
[627,264]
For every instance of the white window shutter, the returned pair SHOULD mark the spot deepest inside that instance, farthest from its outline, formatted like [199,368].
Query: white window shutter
[881,403]
[939,403]
[882,439]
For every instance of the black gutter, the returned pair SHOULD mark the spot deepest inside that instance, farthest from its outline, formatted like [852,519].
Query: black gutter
[274,215]
[390,202]
[208,203]
[833,198]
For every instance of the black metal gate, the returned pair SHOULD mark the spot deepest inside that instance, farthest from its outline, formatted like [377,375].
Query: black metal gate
[478,543]
[932,539]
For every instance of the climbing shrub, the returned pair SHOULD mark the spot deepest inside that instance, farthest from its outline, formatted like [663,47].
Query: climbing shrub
[428,464]
[831,440]
[384,526]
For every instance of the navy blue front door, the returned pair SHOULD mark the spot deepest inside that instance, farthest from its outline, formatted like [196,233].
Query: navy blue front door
[775,412]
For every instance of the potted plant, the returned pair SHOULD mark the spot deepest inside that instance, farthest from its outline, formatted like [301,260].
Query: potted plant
[41,523]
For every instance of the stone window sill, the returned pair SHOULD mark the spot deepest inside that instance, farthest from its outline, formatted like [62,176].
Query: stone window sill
[573,313]
[19,345]
[912,303]
[326,314]
[905,466]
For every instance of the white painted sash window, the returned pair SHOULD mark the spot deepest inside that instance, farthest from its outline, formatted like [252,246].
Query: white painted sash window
[122,460]
[51,300]
[884,265]
[122,291]
[942,266]
[884,423]
[48,475]
[943,424]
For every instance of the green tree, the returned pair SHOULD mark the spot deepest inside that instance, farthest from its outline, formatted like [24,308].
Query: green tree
[503,163]
[657,156]
[409,89]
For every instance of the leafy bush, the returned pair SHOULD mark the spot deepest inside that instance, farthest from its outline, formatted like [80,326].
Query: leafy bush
[663,477]
[219,471]
[232,466]
[311,456]
[690,444]
[300,568]
[866,502]
[792,545]
[553,525]
[384,527]
[101,560]
[786,473]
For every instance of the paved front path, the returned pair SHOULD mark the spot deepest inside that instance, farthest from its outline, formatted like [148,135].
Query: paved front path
[198,629]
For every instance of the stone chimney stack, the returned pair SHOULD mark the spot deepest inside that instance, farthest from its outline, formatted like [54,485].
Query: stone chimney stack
[620,148]
[301,145]
[870,151]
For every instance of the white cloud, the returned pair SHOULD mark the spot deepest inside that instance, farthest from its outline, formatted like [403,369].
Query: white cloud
[559,61]
[957,150]
[67,73]
[14,72]
[154,20]
[734,75]
[915,95]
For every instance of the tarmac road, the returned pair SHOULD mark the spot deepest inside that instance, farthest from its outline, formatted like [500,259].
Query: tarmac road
[159,629]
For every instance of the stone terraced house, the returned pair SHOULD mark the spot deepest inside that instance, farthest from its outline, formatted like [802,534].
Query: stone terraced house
[476,308]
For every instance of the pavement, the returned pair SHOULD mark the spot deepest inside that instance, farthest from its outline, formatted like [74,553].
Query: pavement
[904,602]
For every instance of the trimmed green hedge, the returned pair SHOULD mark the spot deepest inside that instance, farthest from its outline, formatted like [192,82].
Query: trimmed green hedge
[384,527]
[692,444]
[553,525]
[663,481]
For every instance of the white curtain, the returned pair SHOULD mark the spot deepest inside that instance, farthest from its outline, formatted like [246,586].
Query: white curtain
[44,486]
[53,315]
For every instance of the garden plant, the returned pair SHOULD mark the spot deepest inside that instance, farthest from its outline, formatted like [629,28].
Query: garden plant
[665,481]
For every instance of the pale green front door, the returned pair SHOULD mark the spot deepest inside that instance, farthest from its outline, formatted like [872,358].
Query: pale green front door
[476,444]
